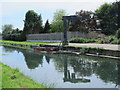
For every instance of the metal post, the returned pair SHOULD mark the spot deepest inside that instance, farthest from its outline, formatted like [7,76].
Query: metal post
[65,23]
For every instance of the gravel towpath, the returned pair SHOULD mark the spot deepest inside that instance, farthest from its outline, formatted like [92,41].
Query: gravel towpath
[105,46]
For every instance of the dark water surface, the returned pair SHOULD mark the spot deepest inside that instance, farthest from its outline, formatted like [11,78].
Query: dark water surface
[63,70]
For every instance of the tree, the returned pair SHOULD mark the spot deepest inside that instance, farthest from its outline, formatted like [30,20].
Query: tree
[47,27]
[118,33]
[57,23]
[118,10]
[39,25]
[108,15]
[7,29]
[8,33]
[16,31]
[32,23]
[86,24]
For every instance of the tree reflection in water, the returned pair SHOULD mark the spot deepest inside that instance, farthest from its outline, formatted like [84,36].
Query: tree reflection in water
[32,59]
[75,68]
[118,65]
[71,77]
[106,69]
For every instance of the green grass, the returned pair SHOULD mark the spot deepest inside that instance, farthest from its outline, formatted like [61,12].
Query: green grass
[12,78]
[25,42]
[10,43]
[0,76]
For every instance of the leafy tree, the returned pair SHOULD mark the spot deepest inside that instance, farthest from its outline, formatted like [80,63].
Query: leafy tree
[32,23]
[118,10]
[118,33]
[7,29]
[38,27]
[12,34]
[47,27]
[86,24]
[108,15]
[16,31]
[57,23]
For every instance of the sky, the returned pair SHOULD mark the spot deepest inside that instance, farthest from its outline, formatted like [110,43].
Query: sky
[13,11]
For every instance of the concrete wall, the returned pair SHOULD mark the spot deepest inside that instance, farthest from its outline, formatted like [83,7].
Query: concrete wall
[0,36]
[54,37]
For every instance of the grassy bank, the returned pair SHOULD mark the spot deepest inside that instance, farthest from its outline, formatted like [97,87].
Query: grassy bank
[24,43]
[27,45]
[12,78]
[0,76]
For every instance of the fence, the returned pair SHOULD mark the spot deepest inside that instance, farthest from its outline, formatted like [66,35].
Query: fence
[54,37]
[0,36]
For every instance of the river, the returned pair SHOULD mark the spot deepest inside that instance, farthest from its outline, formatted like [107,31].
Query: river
[63,70]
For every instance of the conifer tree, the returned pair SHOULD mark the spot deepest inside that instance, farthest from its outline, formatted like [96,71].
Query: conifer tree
[47,27]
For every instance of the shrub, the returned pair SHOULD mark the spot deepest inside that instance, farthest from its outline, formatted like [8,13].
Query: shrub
[116,42]
[81,40]
[14,37]
[118,33]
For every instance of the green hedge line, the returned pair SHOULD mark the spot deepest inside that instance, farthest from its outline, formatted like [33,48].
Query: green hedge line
[82,40]
[85,40]
[14,37]
[116,42]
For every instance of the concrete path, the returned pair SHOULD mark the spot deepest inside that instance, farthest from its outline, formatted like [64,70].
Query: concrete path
[105,46]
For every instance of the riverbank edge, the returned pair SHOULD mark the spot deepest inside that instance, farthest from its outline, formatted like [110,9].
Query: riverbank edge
[12,78]
[90,51]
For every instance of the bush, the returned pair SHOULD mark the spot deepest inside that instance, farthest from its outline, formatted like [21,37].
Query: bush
[14,37]
[118,33]
[82,40]
[116,42]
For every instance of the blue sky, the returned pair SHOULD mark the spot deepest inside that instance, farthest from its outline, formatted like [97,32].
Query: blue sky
[13,12]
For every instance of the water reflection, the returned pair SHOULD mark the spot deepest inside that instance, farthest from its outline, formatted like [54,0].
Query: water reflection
[118,65]
[71,77]
[76,69]
[32,60]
